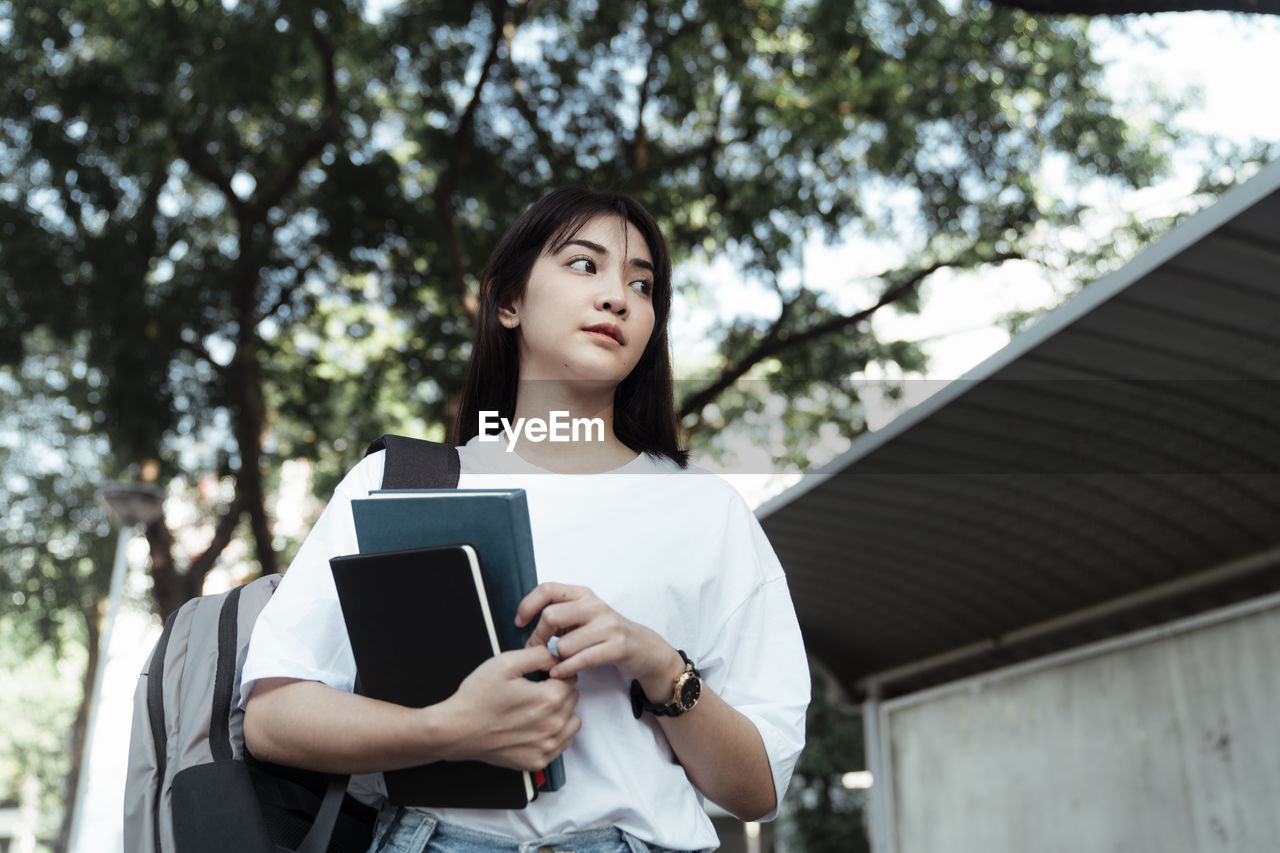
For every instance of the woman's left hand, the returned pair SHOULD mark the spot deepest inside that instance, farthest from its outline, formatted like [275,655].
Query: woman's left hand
[591,633]
[720,749]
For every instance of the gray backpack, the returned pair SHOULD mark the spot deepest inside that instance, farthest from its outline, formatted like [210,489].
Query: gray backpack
[191,785]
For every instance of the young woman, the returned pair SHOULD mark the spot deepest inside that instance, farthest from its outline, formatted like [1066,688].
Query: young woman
[654,577]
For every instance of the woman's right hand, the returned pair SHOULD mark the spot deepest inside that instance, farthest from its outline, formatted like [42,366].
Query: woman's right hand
[500,717]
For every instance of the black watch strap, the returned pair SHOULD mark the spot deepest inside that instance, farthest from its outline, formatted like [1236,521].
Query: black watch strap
[640,702]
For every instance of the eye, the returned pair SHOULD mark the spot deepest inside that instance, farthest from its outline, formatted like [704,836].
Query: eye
[643,286]
[582,265]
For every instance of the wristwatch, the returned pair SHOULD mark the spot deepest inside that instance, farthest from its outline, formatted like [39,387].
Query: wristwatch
[686,689]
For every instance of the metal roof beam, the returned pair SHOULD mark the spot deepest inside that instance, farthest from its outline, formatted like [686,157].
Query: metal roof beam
[1229,571]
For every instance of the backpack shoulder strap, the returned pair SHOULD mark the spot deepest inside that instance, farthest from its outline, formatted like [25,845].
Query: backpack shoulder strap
[413,463]
[155,716]
[225,677]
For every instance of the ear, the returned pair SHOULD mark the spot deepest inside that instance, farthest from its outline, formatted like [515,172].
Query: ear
[509,315]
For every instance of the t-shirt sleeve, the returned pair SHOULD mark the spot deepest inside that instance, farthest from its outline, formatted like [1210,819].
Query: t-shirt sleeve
[300,633]
[757,663]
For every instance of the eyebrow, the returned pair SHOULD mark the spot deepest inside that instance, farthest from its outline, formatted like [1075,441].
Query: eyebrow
[601,250]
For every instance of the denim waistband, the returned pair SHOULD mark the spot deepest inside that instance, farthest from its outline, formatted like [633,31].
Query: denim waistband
[403,831]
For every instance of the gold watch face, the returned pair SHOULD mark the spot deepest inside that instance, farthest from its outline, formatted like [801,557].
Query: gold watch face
[688,689]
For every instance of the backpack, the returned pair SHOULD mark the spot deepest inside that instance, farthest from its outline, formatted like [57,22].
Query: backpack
[202,791]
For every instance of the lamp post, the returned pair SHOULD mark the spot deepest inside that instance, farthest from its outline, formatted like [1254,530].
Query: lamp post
[133,506]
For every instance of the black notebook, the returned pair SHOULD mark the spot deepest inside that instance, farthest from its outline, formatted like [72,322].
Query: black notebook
[496,521]
[419,623]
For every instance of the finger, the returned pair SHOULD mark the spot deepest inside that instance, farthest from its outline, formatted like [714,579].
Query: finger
[571,728]
[566,702]
[572,725]
[547,627]
[596,622]
[539,597]
[530,659]
[598,654]
[572,681]
[583,635]
[559,743]
[558,619]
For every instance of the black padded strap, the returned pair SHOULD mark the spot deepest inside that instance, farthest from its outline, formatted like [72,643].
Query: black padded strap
[413,463]
[155,711]
[224,677]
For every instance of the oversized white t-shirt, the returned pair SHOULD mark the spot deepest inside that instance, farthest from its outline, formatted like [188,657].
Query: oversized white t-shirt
[677,550]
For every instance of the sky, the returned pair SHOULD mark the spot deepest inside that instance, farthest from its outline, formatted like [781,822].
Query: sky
[1236,63]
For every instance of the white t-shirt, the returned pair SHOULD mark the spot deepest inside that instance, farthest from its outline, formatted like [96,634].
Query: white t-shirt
[677,550]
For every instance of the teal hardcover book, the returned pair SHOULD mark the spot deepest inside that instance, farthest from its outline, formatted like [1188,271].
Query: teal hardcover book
[493,521]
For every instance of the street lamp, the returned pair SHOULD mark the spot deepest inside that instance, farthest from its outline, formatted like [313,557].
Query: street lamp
[132,503]
[133,506]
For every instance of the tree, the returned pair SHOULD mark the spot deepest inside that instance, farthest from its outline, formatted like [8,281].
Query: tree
[824,815]
[55,555]
[34,755]
[1134,7]
[247,209]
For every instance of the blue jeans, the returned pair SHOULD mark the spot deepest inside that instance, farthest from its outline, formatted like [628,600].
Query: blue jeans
[411,832]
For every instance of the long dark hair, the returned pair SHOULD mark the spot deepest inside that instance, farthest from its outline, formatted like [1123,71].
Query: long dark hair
[644,416]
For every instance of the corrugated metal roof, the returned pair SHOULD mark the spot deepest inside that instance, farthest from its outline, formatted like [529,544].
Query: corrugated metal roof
[1116,465]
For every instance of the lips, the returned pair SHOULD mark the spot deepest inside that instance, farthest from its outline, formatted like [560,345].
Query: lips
[608,330]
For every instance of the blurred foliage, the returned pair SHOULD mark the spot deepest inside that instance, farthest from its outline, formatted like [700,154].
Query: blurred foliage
[249,209]
[1146,7]
[56,555]
[56,546]
[35,745]
[823,816]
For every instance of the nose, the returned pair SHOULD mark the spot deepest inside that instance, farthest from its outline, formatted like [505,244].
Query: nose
[612,295]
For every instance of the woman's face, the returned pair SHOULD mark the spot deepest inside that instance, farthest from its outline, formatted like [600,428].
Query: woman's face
[587,311]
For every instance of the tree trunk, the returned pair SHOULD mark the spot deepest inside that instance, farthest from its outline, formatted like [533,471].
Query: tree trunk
[80,728]
[168,591]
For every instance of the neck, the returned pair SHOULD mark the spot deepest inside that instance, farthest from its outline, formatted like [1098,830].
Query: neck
[583,412]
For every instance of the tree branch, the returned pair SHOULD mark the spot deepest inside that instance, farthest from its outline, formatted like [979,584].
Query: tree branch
[639,141]
[704,152]
[74,209]
[249,419]
[191,146]
[316,144]
[171,589]
[199,351]
[659,40]
[222,535]
[92,616]
[519,87]
[287,290]
[194,151]
[776,340]
[147,217]
[166,586]
[462,141]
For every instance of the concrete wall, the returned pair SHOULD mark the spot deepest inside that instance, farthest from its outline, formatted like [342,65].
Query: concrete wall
[1166,741]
